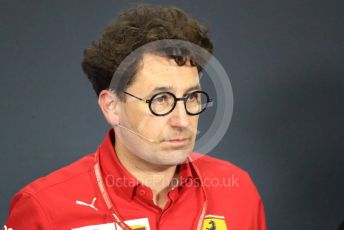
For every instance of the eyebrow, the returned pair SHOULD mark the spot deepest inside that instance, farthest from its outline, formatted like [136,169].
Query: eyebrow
[170,88]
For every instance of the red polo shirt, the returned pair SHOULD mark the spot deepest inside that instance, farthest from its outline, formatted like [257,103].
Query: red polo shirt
[211,194]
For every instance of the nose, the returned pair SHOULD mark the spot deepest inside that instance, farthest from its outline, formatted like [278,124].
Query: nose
[179,117]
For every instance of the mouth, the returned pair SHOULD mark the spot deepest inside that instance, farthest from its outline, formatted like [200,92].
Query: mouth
[179,141]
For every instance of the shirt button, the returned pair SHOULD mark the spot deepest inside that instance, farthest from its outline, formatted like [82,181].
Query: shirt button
[142,192]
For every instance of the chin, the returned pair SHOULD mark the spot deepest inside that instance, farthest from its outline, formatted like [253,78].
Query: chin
[174,157]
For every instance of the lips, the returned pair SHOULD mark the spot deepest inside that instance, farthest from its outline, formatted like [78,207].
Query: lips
[178,139]
[177,142]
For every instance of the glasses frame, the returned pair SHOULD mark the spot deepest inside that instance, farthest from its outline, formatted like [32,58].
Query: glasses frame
[176,99]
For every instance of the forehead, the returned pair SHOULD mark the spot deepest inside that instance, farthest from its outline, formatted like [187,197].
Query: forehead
[158,71]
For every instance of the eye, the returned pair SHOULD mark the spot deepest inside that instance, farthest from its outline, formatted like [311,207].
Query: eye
[193,96]
[161,99]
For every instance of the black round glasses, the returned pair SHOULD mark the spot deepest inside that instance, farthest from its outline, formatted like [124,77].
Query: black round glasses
[163,103]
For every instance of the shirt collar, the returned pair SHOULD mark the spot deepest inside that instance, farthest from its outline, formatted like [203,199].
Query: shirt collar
[118,179]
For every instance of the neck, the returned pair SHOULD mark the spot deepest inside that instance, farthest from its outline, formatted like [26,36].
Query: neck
[159,178]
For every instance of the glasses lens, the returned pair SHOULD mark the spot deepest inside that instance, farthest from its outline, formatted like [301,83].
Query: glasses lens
[162,103]
[197,102]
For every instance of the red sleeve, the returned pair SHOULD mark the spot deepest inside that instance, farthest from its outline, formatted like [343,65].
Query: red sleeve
[261,225]
[26,213]
[258,220]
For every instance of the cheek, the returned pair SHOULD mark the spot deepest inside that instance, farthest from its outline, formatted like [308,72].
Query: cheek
[154,127]
[147,123]
[194,121]
[136,114]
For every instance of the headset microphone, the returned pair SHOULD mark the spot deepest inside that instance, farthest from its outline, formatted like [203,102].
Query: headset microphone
[140,135]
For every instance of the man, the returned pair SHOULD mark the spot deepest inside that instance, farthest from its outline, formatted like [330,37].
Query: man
[144,174]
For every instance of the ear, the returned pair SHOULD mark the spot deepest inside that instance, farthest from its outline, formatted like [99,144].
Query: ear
[109,103]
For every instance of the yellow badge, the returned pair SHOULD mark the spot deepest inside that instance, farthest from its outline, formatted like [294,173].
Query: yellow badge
[214,222]
[138,227]
[137,224]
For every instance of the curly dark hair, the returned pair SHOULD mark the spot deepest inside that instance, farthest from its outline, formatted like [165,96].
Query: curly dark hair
[134,28]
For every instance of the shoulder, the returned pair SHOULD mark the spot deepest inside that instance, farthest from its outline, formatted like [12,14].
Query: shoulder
[69,177]
[230,192]
[220,176]
[41,202]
